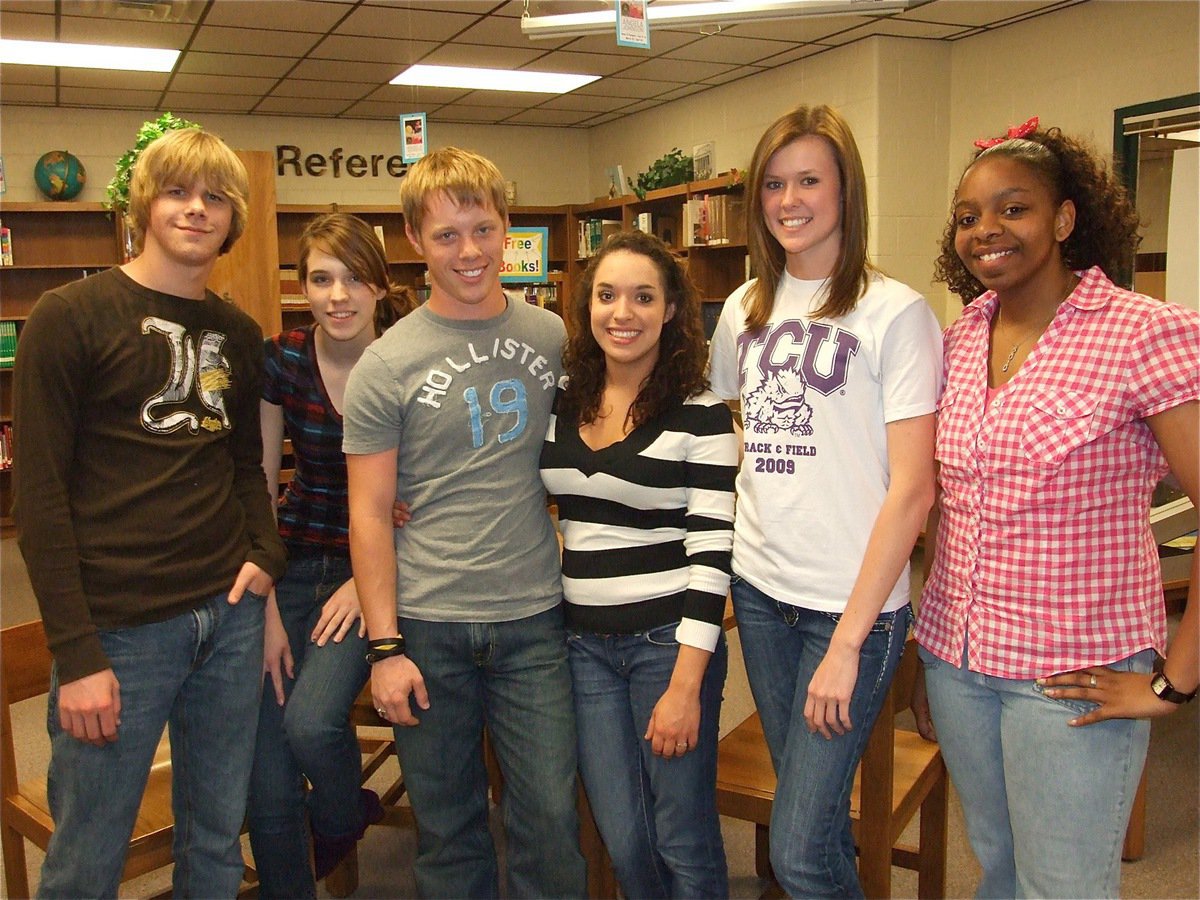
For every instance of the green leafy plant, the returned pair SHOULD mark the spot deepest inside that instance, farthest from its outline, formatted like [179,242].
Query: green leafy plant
[673,168]
[117,193]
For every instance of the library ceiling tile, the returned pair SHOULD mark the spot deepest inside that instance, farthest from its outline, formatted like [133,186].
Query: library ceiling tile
[104,98]
[460,112]
[479,56]
[732,75]
[234,64]
[346,70]
[505,31]
[799,31]
[27,26]
[365,49]
[581,63]
[90,30]
[327,90]
[295,15]
[190,101]
[251,40]
[632,88]
[585,103]
[190,82]
[30,94]
[335,57]
[12,75]
[302,106]
[542,116]
[977,12]
[113,81]
[401,22]
[678,70]
[730,49]
[408,97]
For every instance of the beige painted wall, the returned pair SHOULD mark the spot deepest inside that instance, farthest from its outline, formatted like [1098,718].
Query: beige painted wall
[546,163]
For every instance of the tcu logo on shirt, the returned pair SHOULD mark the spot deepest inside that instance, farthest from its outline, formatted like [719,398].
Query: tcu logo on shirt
[791,358]
[205,367]
[806,349]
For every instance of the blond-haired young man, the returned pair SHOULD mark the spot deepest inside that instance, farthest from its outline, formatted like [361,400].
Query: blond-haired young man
[448,411]
[145,523]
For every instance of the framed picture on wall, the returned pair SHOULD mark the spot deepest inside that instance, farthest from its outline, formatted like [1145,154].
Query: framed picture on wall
[414,136]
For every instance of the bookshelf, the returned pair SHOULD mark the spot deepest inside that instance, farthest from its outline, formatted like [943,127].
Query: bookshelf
[717,268]
[52,244]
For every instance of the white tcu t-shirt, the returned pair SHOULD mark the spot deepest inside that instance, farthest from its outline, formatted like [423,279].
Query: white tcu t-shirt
[816,396]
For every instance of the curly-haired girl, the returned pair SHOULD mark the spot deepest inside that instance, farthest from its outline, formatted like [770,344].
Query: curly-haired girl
[641,458]
[1066,400]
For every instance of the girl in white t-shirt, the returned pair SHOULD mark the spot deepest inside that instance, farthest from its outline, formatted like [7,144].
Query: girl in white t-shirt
[838,369]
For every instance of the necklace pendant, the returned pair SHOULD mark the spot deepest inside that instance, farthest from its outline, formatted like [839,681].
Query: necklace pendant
[1008,362]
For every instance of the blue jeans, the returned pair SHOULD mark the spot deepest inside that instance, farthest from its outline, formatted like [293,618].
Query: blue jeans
[513,678]
[658,817]
[1046,805]
[310,736]
[812,847]
[197,673]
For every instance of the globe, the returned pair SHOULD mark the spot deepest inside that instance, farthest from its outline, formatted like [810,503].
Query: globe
[59,175]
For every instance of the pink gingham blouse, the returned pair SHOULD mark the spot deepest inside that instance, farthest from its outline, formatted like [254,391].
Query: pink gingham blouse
[1044,559]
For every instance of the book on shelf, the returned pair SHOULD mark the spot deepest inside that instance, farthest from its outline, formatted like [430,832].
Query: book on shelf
[6,446]
[714,220]
[643,223]
[593,233]
[290,295]
[6,258]
[8,343]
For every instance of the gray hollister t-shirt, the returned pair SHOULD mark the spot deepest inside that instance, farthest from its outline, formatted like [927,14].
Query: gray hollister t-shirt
[467,404]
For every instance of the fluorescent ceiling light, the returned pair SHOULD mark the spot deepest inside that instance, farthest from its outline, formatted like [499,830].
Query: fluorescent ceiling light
[87,56]
[704,12]
[492,79]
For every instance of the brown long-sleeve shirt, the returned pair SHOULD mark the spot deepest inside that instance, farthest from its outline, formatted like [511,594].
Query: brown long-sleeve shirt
[138,486]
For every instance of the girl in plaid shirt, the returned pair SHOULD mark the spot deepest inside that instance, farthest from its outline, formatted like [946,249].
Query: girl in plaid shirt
[1066,400]
[315,637]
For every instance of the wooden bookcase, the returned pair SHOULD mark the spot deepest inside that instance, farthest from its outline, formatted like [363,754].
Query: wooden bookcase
[52,244]
[716,268]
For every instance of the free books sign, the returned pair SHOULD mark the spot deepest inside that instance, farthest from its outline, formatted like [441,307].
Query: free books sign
[525,255]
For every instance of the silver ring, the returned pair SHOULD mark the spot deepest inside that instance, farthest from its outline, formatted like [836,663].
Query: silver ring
[1093,682]
[381,712]
[681,745]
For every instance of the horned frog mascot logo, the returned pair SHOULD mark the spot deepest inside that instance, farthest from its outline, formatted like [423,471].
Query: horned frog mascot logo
[778,404]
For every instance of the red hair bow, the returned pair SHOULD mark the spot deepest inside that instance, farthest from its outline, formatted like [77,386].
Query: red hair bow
[1014,131]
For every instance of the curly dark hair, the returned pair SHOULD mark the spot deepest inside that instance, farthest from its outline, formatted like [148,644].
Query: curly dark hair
[1106,222]
[679,372]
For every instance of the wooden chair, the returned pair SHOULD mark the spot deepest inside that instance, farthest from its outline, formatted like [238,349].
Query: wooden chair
[24,809]
[900,773]
[25,814]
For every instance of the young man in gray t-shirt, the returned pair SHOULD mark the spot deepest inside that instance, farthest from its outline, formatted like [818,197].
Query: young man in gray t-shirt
[448,410]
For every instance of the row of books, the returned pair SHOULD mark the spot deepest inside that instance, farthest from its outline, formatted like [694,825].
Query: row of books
[714,220]
[290,295]
[5,247]
[6,446]
[593,233]
[8,343]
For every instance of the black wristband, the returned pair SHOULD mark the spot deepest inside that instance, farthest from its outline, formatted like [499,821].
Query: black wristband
[384,648]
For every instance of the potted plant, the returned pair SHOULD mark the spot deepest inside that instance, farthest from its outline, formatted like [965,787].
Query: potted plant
[673,168]
[117,192]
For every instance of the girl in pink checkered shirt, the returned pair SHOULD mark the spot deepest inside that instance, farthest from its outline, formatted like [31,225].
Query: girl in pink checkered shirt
[1067,398]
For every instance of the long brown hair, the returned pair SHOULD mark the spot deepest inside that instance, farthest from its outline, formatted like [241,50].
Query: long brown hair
[853,271]
[351,240]
[678,372]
